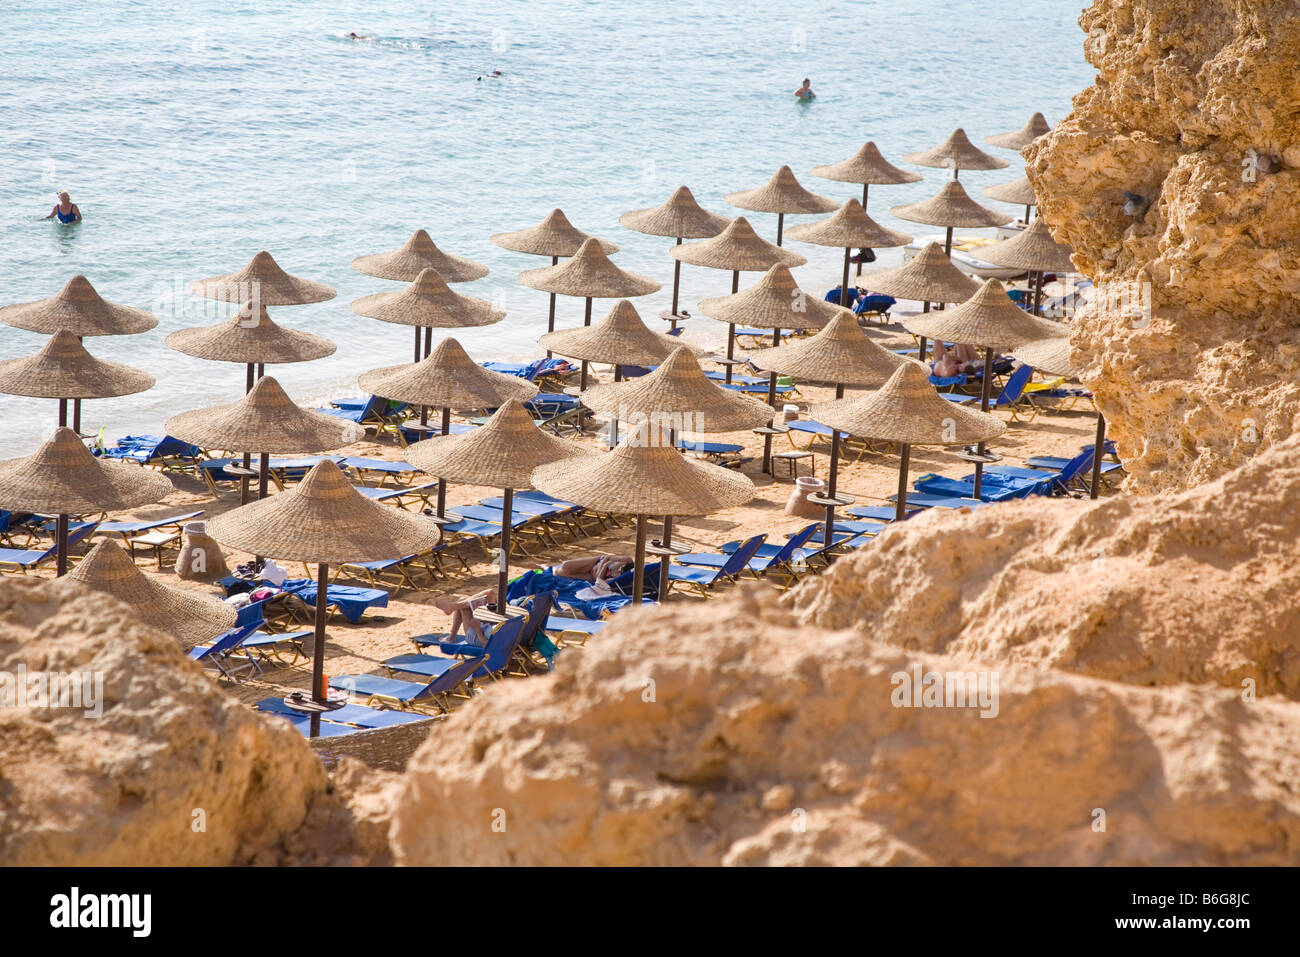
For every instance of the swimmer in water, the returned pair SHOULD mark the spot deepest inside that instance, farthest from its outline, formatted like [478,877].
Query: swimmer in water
[66,210]
[358,36]
[488,76]
[805,92]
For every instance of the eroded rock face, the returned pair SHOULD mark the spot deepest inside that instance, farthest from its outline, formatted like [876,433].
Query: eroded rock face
[728,734]
[1194,351]
[170,752]
[1192,587]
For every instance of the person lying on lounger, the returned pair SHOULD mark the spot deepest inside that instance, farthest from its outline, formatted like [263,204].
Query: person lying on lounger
[954,361]
[595,569]
[462,614]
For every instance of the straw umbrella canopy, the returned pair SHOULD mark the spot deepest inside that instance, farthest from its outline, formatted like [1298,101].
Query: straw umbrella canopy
[781,194]
[988,320]
[739,249]
[264,282]
[325,521]
[1019,192]
[62,478]
[503,453]
[264,421]
[189,617]
[620,339]
[80,310]
[775,303]
[956,153]
[681,217]
[928,277]
[1053,357]
[413,257]
[253,342]
[950,207]
[643,478]
[869,168]
[64,370]
[554,236]
[841,353]
[908,410]
[678,397]
[589,274]
[428,303]
[1034,251]
[448,379]
[77,308]
[1019,139]
[850,227]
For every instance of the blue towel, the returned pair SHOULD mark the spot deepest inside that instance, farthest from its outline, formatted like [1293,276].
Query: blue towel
[566,589]
[351,600]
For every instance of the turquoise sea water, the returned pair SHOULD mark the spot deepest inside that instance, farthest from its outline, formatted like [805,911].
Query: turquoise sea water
[193,135]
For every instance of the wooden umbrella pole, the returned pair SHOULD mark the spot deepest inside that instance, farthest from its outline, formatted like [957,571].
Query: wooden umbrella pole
[780,227]
[844,286]
[925,307]
[442,482]
[831,486]
[665,560]
[638,575]
[1038,293]
[677,282]
[428,341]
[865,187]
[947,243]
[318,646]
[63,413]
[76,416]
[985,391]
[61,543]
[503,567]
[1098,451]
[771,400]
[731,326]
[263,474]
[417,344]
[900,510]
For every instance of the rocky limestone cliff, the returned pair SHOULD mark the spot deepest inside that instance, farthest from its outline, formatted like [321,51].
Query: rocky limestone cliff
[172,771]
[1194,347]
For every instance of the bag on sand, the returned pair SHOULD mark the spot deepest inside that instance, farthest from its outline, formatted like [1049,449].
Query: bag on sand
[201,559]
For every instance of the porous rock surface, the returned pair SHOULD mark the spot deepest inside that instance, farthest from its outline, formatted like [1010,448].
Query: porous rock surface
[1193,347]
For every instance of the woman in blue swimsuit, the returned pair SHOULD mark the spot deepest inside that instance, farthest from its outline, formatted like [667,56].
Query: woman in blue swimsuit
[66,210]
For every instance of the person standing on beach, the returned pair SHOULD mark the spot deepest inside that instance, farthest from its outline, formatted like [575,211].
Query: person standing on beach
[805,92]
[66,210]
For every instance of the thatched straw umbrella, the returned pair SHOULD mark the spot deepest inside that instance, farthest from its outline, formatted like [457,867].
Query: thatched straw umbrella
[264,282]
[77,308]
[782,195]
[775,303]
[1034,251]
[64,370]
[448,379]
[324,520]
[987,320]
[62,478]
[250,337]
[909,411]
[956,153]
[1053,357]
[1019,139]
[950,207]
[678,397]
[928,277]
[841,353]
[1019,192]
[590,275]
[681,217]
[428,303]
[264,421]
[869,168]
[849,228]
[503,452]
[554,236]
[413,257]
[187,616]
[739,249]
[642,478]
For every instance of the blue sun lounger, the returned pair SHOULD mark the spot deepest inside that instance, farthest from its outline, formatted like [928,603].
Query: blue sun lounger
[1011,393]
[357,715]
[127,529]
[703,579]
[497,655]
[161,450]
[563,627]
[767,557]
[350,600]
[925,500]
[409,694]
[879,513]
[995,487]
[221,652]
[384,468]
[23,559]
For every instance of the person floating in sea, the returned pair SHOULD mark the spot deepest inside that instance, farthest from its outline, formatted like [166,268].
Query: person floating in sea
[489,75]
[805,92]
[66,210]
[358,36]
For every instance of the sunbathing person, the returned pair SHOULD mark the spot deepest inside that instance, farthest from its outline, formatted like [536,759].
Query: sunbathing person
[462,614]
[945,364]
[595,569]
